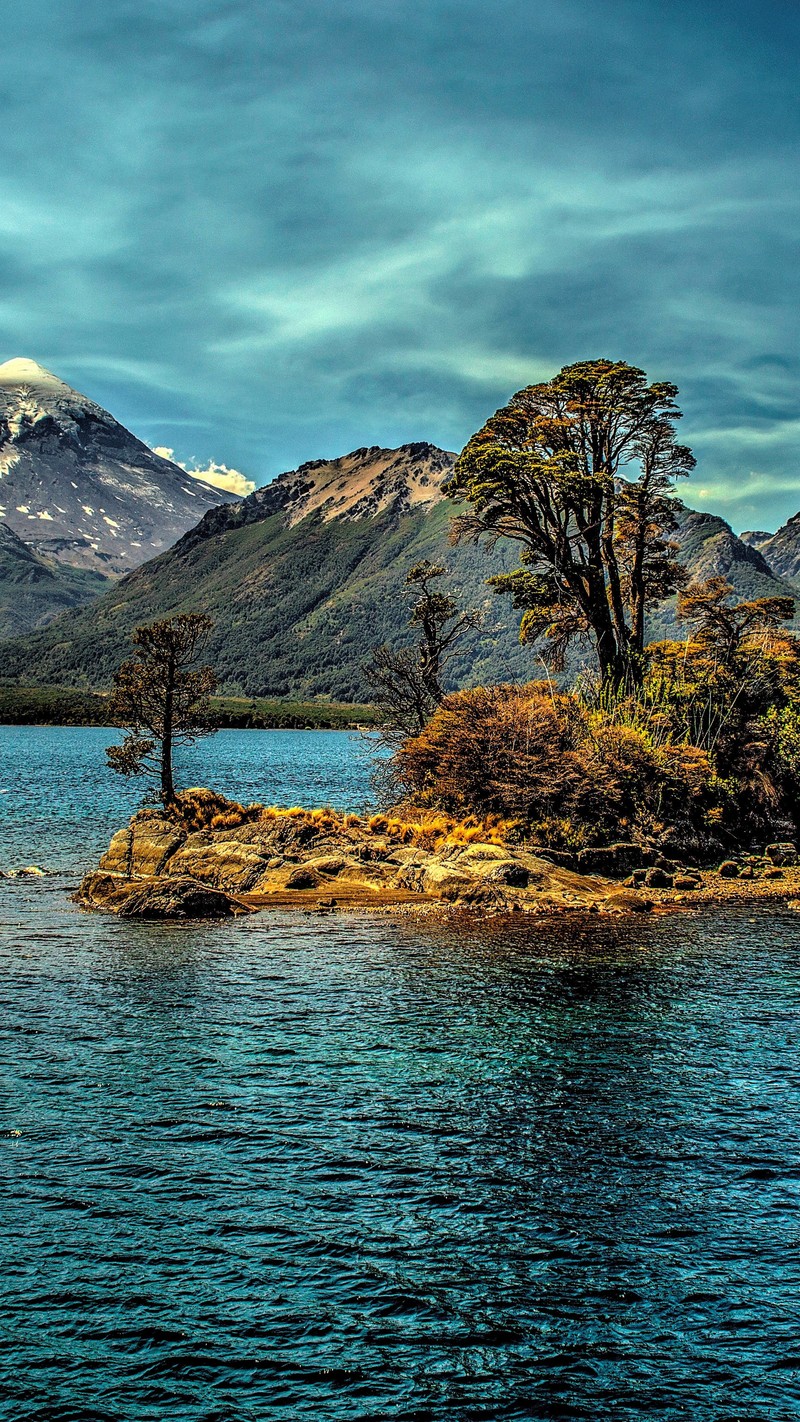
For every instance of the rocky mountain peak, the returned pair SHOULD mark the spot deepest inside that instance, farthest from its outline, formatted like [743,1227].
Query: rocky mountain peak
[365,482]
[77,486]
[782,549]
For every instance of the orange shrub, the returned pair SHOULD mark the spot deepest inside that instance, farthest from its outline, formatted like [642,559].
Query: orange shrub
[529,753]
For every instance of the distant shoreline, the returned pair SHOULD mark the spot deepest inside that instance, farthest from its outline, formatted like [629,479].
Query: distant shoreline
[73,706]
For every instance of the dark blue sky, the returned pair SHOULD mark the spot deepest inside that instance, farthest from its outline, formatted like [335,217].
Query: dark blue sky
[261,232]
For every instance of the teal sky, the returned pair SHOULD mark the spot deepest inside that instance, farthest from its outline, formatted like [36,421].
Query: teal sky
[261,233]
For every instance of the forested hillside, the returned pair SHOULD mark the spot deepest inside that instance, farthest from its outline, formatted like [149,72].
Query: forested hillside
[303,577]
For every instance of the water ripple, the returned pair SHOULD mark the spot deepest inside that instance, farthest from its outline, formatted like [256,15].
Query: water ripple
[362,1170]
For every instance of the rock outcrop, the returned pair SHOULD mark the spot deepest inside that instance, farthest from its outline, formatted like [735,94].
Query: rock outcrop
[165,897]
[158,867]
[214,858]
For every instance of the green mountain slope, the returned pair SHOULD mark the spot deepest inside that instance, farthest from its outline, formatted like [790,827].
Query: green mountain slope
[305,576]
[34,590]
[298,598]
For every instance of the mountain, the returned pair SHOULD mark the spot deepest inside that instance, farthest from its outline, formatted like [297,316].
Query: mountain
[781,550]
[709,548]
[78,487]
[34,590]
[304,576]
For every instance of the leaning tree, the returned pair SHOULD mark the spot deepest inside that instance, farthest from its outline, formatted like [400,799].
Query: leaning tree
[580,472]
[161,698]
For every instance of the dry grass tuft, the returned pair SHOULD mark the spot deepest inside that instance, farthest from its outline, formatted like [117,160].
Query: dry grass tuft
[200,808]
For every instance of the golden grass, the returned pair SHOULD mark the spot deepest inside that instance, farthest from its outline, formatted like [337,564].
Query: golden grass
[200,808]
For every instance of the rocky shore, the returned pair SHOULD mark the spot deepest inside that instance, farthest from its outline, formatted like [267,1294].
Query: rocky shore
[213,858]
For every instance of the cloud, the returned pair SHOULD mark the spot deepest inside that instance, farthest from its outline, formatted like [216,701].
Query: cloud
[217,474]
[302,227]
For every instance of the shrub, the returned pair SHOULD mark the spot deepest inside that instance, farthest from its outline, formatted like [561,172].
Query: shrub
[499,750]
[572,775]
[200,808]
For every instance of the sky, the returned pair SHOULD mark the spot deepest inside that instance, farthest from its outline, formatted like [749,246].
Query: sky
[266,231]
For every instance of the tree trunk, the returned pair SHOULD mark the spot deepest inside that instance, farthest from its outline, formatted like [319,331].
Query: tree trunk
[613,664]
[637,593]
[167,783]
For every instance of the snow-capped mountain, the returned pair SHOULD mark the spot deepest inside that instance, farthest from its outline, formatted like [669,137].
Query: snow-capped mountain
[80,488]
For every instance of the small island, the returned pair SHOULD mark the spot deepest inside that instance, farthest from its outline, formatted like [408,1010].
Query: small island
[633,773]
[211,857]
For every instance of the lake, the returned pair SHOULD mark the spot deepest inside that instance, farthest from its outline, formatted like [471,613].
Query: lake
[350,1167]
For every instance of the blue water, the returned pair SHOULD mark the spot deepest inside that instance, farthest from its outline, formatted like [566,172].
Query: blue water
[60,803]
[354,1168]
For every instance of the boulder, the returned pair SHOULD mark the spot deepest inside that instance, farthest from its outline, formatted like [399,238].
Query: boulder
[166,897]
[511,873]
[143,849]
[773,873]
[613,861]
[728,869]
[658,879]
[782,854]
[330,865]
[221,864]
[304,878]
[444,882]
[179,898]
[483,896]
[406,855]
[562,857]
[376,849]
[685,881]
[102,890]
[626,902]
[479,856]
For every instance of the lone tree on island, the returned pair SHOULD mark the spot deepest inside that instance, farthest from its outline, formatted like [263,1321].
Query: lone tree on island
[547,472]
[407,683]
[161,698]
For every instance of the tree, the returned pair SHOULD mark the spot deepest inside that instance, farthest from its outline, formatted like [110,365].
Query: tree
[546,472]
[407,683]
[723,626]
[646,515]
[161,698]
[723,689]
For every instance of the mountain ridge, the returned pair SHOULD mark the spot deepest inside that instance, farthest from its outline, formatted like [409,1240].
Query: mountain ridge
[781,550]
[34,590]
[305,575]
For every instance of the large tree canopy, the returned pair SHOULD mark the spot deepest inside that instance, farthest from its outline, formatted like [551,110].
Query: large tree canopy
[580,471]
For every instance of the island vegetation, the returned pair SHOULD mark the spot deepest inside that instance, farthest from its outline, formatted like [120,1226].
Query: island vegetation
[623,758]
[692,745]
